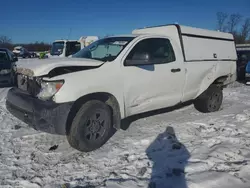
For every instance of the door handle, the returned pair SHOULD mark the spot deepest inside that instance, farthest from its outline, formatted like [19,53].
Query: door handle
[176,70]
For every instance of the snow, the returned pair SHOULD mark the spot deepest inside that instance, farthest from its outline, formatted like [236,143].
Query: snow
[181,148]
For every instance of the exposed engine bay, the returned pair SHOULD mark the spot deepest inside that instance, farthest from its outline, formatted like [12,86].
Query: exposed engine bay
[31,85]
[26,81]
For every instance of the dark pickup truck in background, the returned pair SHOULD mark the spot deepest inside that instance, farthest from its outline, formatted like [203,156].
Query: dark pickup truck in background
[243,52]
[7,66]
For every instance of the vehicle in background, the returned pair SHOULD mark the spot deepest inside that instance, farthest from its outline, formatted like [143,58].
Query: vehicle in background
[86,97]
[34,54]
[247,74]
[7,66]
[243,53]
[20,51]
[66,48]
[43,55]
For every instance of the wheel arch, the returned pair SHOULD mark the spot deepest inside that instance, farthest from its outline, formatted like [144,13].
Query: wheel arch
[221,80]
[107,98]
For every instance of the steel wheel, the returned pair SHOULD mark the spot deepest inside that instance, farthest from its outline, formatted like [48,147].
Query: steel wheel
[91,127]
[214,102]
[210,100]
[95,126]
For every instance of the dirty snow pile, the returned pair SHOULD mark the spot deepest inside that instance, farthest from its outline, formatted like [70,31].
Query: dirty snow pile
[181,148]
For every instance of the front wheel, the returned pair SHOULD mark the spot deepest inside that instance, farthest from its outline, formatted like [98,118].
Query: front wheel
[91,127]
[210,100]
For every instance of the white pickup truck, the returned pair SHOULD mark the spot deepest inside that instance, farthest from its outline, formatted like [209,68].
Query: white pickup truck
[65,48]
[86,96]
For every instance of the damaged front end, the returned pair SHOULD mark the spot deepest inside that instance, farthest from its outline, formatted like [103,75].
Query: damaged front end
[29,84]
[38,87]
[32,76]
[32,99]
[31,102]
[46,116]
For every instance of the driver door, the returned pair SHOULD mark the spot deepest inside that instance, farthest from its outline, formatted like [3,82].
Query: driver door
[153,78]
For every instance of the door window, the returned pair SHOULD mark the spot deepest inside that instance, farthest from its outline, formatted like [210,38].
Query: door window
[151,51]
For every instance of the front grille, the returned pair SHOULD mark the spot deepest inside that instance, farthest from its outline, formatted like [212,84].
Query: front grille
[29,84]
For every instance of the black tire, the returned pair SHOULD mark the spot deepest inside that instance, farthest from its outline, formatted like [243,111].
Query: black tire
[91,127]
[210,100]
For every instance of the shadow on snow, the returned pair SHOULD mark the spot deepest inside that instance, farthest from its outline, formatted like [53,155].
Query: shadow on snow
[169,158]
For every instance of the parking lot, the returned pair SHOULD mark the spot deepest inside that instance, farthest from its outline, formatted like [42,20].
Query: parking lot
[181,147]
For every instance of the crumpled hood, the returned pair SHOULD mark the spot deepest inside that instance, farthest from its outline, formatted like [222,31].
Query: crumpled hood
[40,67]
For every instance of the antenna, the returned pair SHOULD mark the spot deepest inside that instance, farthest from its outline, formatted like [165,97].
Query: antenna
[69,33]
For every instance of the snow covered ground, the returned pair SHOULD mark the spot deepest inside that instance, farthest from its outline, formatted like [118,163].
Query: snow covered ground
[182,148]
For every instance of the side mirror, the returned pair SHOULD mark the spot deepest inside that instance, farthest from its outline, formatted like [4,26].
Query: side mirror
[141,58]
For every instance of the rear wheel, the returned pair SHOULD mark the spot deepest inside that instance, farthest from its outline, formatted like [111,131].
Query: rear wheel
[210,100]
[91,127]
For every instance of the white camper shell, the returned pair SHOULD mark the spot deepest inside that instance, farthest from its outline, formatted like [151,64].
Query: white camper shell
[197,44]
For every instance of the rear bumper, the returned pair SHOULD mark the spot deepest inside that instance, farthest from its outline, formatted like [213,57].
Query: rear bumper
[45,116]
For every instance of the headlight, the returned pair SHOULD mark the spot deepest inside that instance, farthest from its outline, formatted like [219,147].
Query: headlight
[49,89]
[5,71]
[247,74]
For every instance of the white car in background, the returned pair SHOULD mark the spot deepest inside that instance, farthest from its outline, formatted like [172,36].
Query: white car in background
[20,51]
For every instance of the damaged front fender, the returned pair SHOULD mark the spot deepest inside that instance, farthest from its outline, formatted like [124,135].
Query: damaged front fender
[66,70]
[55,67]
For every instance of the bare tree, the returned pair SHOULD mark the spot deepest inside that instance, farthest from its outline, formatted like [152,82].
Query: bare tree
[245,29]
[221,21]
[5,40]
[233,22]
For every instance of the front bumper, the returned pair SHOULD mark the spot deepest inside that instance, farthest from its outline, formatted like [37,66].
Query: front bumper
[46,116]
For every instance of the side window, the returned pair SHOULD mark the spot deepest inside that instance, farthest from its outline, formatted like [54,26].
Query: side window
[151,51]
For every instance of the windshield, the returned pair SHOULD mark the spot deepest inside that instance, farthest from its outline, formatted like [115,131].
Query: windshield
[106,49]
[3,56]
[57,48]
